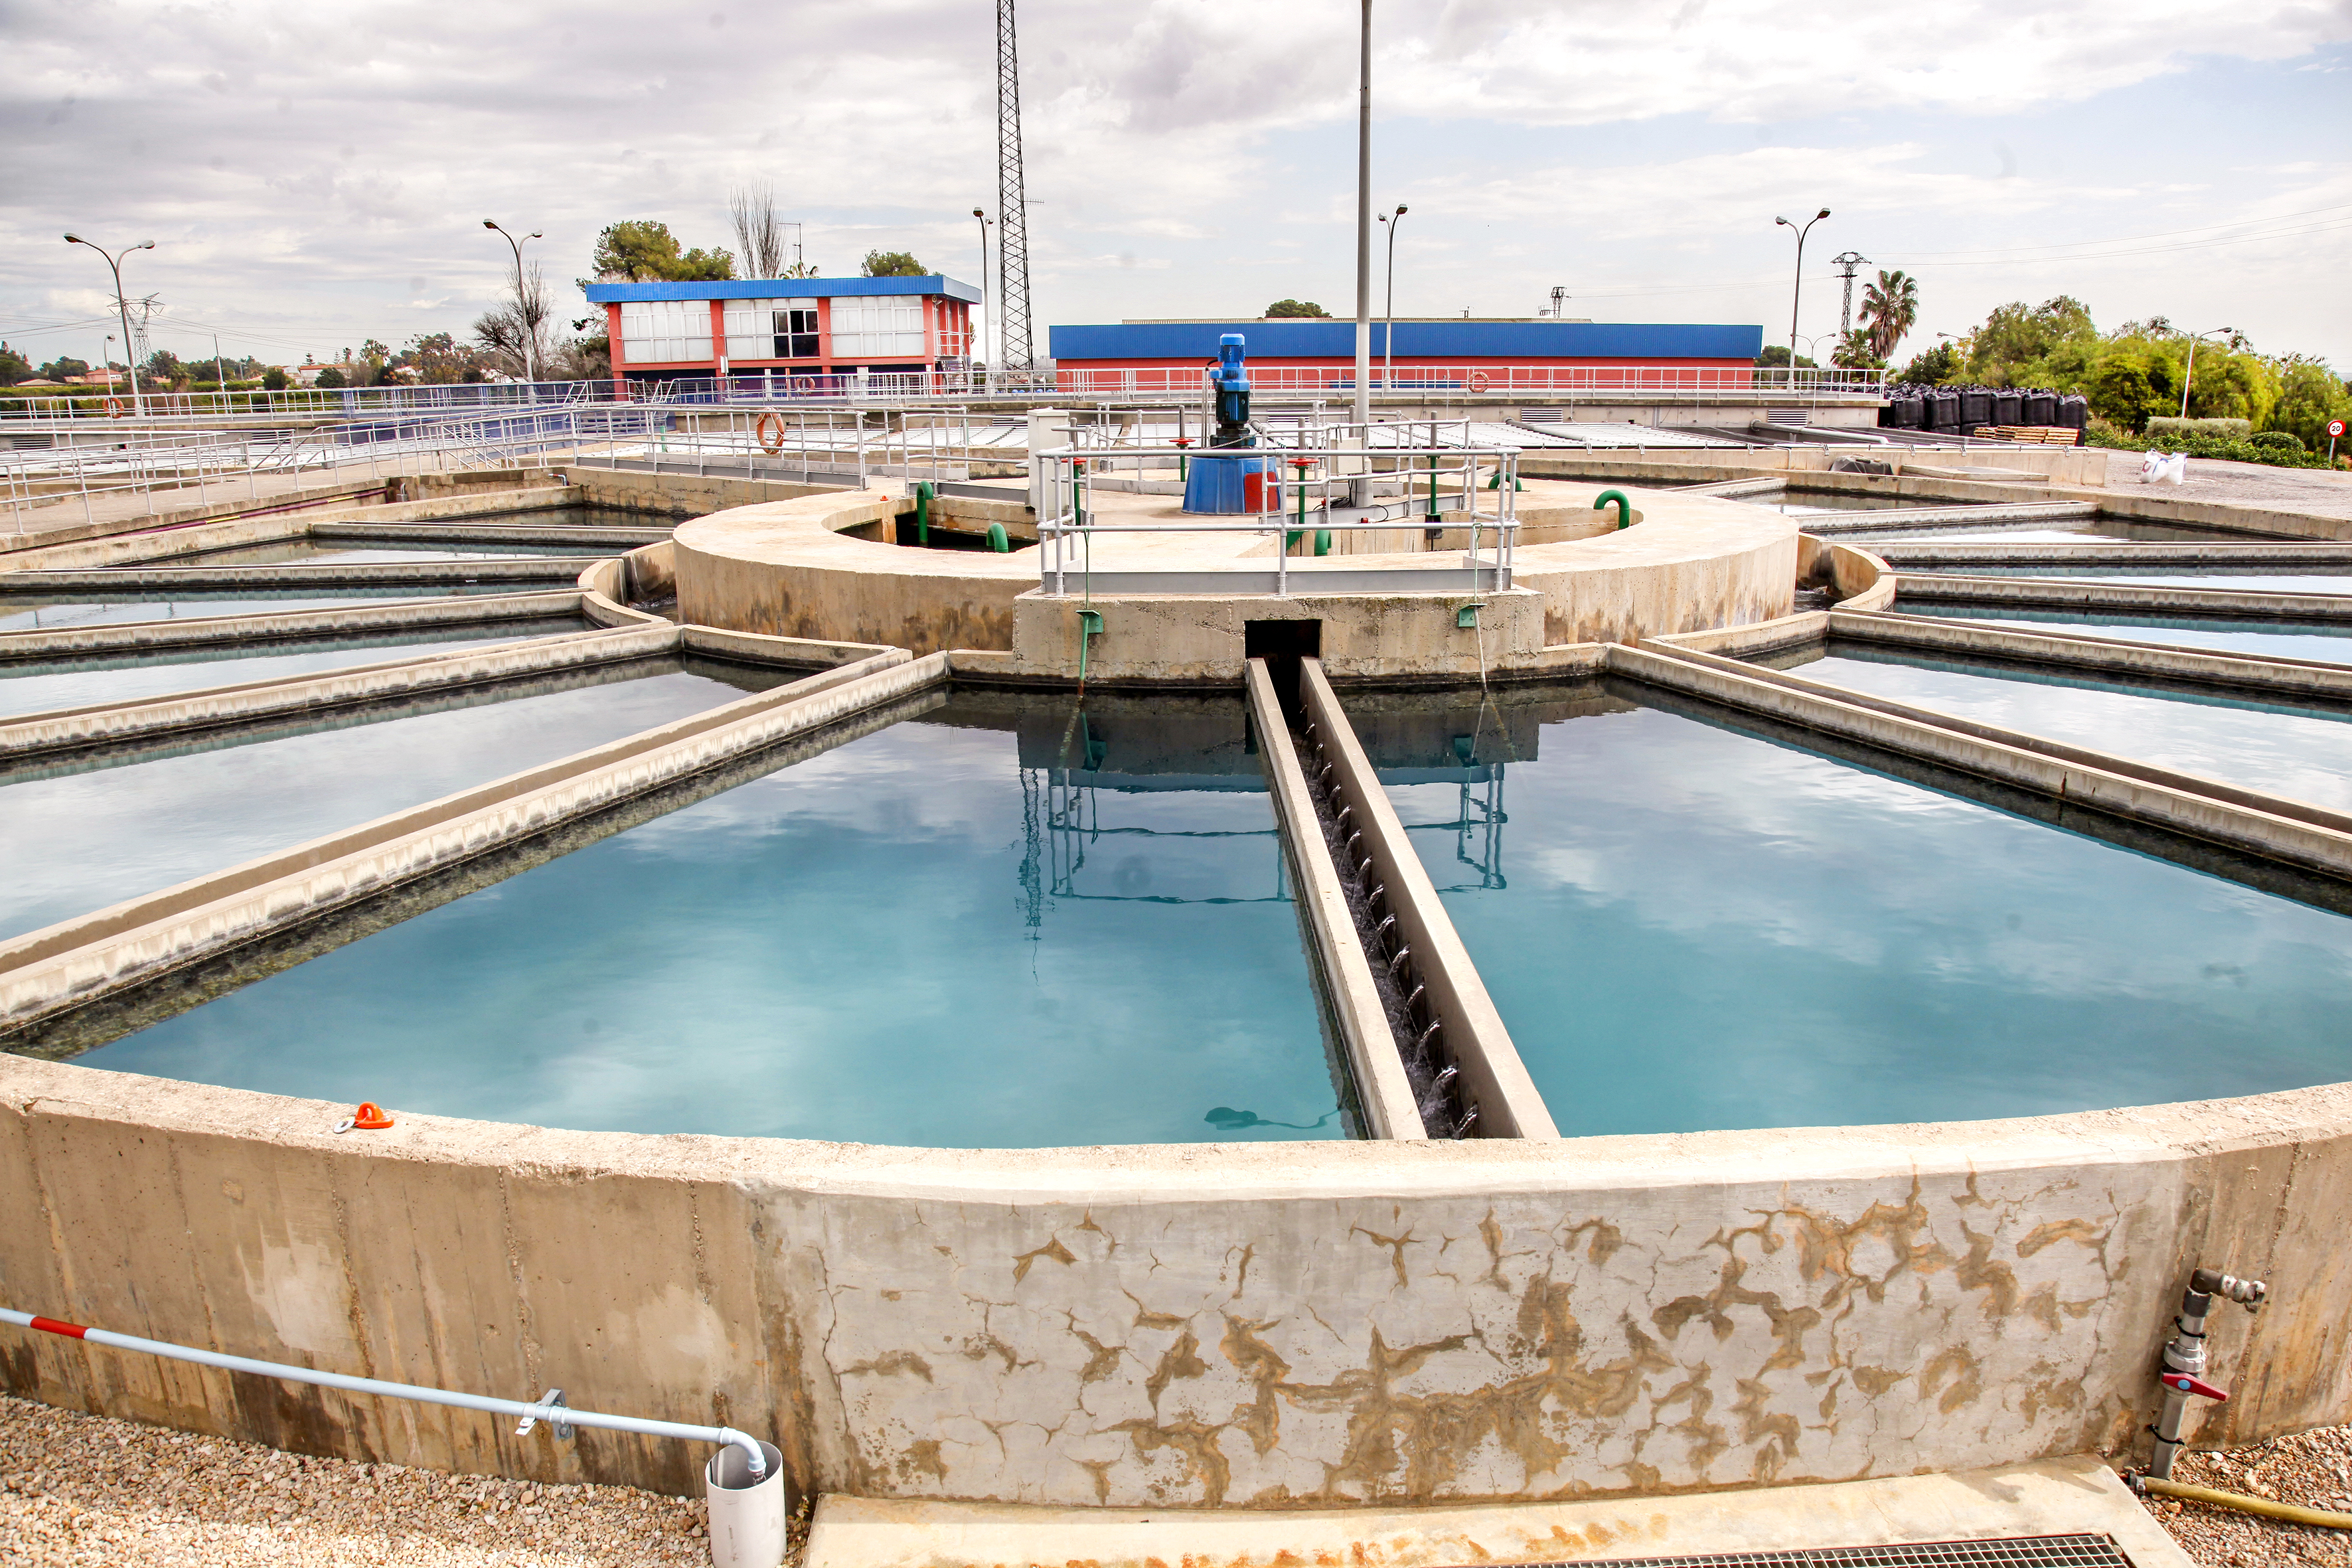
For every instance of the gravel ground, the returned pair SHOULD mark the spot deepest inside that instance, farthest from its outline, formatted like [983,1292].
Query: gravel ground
[2315,490]
[2313,1468]
[84,1490]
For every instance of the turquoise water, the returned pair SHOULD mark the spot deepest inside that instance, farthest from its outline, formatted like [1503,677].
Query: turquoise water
[2262,579]
[1695,927]
[2272,640]
[79,841]
[2290,751]
[52,684]
[107,609]
[311,552]
[2086,531]
[928,936]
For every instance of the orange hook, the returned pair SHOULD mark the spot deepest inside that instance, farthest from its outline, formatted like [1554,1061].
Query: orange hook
[368,1117]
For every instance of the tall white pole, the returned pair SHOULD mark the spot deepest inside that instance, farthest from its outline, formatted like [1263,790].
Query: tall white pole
[1364,228]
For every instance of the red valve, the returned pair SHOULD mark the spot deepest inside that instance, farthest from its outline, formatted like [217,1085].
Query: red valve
[2181,1382]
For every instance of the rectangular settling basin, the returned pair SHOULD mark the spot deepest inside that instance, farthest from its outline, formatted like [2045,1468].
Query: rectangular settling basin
[1686,926]
[1000,922]
[2330,643]
[2291,749]
[81,832]
[20,613]
[42,686]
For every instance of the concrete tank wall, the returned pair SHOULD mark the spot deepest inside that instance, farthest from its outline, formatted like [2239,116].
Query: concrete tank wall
[1254,1325]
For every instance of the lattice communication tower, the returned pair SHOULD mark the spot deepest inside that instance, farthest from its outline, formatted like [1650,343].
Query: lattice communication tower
[1011,203]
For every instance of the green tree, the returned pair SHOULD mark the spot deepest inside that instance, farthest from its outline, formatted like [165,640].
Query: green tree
[274,379]
[1889,308]
[892,263]
[2015,341]
[643,251]
[1281,309]
[1854,353]
[2137,379]
[2309,396]
[63,367]
[163,369]
[1938,366]
[437,358]
[13,367]
[1777,355]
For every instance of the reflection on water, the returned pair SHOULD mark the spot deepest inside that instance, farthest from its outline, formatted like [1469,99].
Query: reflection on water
[51,684]
[1702,929]
[87,833]
[2273,639]
[997,924]
[19,612]
[2298,750]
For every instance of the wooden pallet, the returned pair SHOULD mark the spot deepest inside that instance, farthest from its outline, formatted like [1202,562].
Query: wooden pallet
[2028,435]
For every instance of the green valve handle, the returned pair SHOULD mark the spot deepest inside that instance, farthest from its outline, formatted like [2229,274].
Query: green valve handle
[1625,507]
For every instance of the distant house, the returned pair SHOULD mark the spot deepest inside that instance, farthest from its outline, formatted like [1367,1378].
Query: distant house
[787,326]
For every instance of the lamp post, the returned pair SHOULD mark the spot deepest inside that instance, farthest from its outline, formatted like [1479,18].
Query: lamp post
[1388,312]
[114,264]
[522,309]
[1363,489]
[984,221]
[2188,378]
[1797,292]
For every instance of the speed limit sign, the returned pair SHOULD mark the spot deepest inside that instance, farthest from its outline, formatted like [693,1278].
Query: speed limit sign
[2334,429]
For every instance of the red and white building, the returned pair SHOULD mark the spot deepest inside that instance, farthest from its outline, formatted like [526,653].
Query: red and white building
[787,326]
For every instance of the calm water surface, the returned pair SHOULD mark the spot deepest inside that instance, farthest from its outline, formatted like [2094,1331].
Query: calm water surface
[82,841]
[2298,752]
[37,688]
[19,613]
[2276,639]
[1688,927]
[933,934]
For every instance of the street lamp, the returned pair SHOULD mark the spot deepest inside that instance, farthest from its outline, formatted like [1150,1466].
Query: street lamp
[522,304]
[1797,292]
[2190,378]
[114,262]
[1388,315]
[984,221]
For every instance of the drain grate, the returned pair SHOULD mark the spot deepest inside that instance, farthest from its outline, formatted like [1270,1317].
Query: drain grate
[2020,1552]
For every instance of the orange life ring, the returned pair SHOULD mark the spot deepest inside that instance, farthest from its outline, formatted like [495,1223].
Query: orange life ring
[804,384]
[760,434]
[1478,382]
[114,408]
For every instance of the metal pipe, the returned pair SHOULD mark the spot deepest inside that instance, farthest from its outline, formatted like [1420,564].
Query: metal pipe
[550,1409]
[1364,233]
[2183,1373]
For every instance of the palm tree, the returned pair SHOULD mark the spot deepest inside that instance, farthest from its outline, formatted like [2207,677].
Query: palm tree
[1891,306]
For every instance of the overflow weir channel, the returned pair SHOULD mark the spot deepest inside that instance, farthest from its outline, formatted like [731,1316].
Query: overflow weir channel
[1431,1054]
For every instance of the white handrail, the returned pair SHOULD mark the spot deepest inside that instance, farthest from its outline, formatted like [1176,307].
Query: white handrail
[550,1409]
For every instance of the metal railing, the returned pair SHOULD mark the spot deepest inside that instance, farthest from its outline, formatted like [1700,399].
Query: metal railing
[1165,382]
[37,408]
[1320,480]
[549,1407]
[810,444]
[194,467]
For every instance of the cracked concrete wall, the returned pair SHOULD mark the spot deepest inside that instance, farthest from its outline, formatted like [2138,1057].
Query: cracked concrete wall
[1246,1325]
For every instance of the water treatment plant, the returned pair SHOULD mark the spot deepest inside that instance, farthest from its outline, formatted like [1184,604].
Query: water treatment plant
[1123,952]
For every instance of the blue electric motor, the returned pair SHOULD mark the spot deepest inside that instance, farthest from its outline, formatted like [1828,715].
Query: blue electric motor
[1228,485]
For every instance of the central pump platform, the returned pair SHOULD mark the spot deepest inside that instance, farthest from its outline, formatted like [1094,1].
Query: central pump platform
[1221,485]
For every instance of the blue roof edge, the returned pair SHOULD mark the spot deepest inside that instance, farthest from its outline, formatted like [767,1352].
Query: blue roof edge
[782,288]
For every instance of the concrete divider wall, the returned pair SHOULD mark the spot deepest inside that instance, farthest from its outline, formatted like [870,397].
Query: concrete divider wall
[1240,1325]
[1496,1082]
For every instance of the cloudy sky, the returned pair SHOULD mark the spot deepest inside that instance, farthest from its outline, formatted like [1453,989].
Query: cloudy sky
[315,174]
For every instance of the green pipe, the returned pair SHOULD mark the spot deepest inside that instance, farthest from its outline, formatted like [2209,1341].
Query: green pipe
[1089,629]
[998,540]
[923,493]
[1322,541]
[1432,514]
[1625,507]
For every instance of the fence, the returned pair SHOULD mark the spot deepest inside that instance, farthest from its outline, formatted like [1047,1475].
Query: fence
[1324,480]
[148,461]
[18,412]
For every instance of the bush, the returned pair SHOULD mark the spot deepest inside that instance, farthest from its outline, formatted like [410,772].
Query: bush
[273,380]
[2268,448]
[2161,431]
[2279,441]
[329,380]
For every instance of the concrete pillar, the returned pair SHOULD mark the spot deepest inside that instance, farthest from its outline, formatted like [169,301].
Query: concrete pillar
[1048,428]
